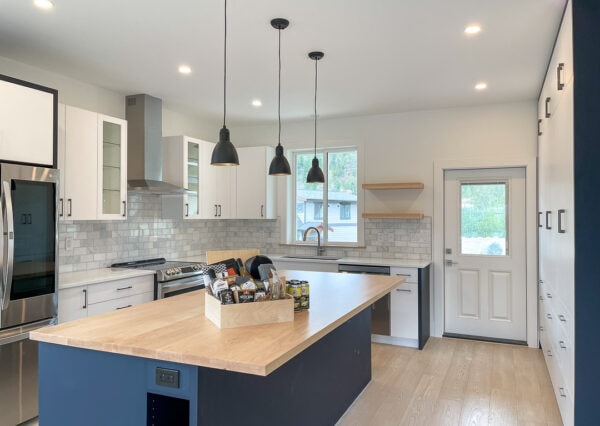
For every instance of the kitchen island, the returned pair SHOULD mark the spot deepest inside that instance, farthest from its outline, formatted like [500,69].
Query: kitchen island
[165,360]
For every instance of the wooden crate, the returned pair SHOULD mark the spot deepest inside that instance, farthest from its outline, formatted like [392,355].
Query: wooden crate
[244,314]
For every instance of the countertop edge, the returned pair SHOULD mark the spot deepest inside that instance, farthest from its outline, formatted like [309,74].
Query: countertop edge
[96,276]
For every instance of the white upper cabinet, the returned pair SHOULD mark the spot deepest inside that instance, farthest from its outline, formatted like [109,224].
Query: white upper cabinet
[26,123]
[255,188]
[92,158]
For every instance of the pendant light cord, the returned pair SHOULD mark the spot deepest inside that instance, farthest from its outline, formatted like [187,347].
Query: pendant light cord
[225,69]
[279,91]
[316,60]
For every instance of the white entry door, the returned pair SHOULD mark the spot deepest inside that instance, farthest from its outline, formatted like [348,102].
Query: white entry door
[485,257]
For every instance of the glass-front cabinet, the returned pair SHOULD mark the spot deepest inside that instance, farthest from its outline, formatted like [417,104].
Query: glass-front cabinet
[112,166]
[192,198]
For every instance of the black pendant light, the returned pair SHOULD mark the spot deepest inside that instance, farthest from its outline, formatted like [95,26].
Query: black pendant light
[279,165]
[224,153]
[315,174]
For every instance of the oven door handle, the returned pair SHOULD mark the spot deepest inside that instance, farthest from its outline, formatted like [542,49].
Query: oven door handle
[8,233]
[176,285]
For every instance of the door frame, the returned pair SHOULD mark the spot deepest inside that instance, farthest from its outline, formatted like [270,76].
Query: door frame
[439,169]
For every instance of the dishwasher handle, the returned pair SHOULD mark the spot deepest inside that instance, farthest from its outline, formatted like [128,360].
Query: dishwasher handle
[364,269]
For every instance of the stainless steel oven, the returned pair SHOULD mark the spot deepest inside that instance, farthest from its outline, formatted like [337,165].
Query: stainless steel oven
[171,277]
[28,281]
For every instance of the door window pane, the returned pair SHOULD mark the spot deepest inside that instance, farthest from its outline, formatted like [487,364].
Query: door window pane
[483,218]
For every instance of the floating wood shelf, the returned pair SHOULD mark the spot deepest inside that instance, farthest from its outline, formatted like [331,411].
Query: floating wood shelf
[392,215]
[394,185]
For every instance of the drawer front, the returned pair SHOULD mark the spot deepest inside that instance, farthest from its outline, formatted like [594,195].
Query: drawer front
[98,293]
[404,316]
[410,274]
[121,303]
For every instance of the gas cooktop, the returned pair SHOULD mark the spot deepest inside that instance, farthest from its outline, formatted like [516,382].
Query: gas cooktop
[166,270]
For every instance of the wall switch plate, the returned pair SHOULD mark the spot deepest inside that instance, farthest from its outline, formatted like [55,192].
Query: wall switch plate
[167,377]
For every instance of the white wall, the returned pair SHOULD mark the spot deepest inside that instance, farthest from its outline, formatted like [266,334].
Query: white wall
[403,147]
[94,98]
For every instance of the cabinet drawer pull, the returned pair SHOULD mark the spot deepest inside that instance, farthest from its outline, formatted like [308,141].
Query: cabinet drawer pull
[123,307]
[541,297]
[548,225]
[559,69]
[549,352]
[403,275]
[62,207]
[84,300]
[547,107]
[562,318]
[124,208]
[561,214]
[70,202]
[541,281]
[539,127]
[549,316]
[549,295]
[405,290]
[125,288]
[562,392]
[562,344]
[540,220]
[541,328]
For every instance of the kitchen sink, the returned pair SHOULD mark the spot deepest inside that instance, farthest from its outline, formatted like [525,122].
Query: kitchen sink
[307,257]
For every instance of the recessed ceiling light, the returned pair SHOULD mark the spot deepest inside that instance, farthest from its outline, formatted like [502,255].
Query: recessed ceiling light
[44,4]
[481,86]
[184,69]
[256,102]
[472,29]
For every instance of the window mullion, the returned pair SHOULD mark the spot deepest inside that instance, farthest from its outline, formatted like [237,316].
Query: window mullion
[325,197]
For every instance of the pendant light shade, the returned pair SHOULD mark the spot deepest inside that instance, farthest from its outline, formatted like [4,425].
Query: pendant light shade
[224,153]
[315,174]
[279,165]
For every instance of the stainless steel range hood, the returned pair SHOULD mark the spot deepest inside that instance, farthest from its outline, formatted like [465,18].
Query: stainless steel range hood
[144,146]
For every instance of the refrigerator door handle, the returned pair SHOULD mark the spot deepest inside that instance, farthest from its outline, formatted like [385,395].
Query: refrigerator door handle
[22,332]
[9,244]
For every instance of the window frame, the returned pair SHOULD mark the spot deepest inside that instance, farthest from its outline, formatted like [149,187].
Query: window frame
[289,236]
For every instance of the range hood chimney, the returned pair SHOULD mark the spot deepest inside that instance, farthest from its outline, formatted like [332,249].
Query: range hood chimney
[144,146]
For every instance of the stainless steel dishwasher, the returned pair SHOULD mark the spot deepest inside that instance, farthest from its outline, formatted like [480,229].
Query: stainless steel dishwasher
[380,310]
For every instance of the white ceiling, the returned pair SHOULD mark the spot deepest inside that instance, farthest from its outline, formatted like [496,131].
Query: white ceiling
[381,56]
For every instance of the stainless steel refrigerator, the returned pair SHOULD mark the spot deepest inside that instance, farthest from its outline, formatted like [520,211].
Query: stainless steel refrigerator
[28,281]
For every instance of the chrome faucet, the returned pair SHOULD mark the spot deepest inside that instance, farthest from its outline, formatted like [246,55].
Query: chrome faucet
[320,250]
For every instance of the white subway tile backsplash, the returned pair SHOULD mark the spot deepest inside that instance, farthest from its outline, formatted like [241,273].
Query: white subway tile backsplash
[97,244]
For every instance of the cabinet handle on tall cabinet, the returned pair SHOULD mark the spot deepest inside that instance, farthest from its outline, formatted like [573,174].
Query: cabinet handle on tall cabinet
[219,210]
[561,213]
[548,225]
[539,127]
[124,208]
[187,209]
[84,299]
[70,207]
[262,209]
[540,220]
[547,107]
[559,69]
[216,211]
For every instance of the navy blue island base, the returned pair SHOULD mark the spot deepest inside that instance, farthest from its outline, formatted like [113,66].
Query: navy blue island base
[96,388]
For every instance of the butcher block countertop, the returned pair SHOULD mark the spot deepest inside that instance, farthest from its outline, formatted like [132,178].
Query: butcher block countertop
[175,329]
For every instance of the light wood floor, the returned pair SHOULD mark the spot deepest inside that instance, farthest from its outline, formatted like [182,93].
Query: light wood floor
[456,382]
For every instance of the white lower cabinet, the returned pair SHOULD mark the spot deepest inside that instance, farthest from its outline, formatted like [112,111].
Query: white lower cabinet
[404,311]
[93,299]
